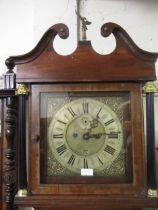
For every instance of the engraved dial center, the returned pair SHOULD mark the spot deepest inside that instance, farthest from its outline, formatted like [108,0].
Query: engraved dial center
[81,138]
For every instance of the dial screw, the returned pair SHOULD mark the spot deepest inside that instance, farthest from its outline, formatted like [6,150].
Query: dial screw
[75,135]
[86,136]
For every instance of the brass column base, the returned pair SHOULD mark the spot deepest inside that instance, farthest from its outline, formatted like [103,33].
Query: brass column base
[152,193]
[22,193]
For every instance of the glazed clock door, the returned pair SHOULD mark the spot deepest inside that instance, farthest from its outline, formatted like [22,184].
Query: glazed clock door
[86,139]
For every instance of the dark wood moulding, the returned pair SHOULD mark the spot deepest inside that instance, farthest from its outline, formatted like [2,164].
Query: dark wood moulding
[126,63]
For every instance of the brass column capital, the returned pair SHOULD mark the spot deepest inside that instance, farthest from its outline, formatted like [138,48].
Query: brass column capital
[22,90]
[150,87]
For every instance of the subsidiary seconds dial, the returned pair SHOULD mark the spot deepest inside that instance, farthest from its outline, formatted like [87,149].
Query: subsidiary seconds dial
[85,133]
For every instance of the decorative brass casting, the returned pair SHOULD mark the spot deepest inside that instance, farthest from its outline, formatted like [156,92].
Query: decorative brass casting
[84,23]
[150,87]
[22,90]
[22,193]
[152,193]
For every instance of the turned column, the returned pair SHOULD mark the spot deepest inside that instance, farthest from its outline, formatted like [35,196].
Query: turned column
[10,129]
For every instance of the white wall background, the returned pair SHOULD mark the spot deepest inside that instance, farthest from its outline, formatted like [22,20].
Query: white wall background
[23,22]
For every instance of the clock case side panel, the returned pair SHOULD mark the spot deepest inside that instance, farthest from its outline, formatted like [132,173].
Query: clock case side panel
[137,188]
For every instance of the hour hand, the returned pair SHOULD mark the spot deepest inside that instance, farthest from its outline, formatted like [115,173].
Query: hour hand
[111,135]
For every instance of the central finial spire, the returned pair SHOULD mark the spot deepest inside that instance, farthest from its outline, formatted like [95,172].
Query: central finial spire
[84,23]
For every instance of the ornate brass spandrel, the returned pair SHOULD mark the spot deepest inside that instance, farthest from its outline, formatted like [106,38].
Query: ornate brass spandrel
[54,168]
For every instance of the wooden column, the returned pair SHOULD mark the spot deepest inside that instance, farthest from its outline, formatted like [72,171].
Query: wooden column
[1,152]
[10,128]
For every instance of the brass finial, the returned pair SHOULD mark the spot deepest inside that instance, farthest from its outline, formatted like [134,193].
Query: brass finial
[22,90]
[150,87]
[84,23]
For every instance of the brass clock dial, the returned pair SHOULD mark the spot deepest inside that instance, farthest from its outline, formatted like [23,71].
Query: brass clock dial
[85,133]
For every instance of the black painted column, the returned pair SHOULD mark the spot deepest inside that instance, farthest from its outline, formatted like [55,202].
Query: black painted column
[22,169]
[150,89]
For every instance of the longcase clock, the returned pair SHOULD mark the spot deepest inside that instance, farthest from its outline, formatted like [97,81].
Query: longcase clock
[80,126]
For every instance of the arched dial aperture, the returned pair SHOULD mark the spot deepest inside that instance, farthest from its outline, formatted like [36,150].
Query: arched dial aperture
[85,133]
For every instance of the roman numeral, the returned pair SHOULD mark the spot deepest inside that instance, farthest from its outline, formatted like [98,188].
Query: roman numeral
[113,135]
[85,163]
[62,122]
[71,111]
[71,160]
[109,122]
[61,149]
[85,107]
[110,150]
[99,112]
[58,136]
[100,160]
